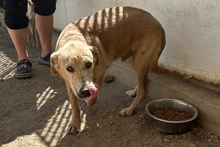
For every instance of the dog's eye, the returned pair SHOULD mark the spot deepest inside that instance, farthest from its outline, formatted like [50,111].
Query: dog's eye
[88,65]
[70,69]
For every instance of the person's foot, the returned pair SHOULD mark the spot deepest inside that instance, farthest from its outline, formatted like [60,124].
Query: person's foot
[24,69]
[44,60]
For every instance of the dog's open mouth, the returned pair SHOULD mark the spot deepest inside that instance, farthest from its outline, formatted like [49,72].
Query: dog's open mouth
[93,93]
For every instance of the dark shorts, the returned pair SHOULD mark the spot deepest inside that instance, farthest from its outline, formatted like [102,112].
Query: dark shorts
[15,11]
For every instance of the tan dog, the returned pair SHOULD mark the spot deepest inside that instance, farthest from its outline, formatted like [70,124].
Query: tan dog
[2,12]
[87,47]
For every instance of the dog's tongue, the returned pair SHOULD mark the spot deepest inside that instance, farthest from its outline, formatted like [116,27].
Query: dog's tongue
[93,91]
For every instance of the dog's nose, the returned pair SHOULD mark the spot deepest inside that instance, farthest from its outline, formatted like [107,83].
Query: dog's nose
[85,93]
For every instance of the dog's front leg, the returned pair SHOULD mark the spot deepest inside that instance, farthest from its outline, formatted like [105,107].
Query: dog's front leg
[74,126]
[141,91]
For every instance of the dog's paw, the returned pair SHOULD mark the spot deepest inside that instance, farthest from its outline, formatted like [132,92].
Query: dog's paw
[131,93]
[126,112]
[73,129]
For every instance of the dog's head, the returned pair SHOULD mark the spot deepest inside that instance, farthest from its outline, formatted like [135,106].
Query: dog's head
[75,62]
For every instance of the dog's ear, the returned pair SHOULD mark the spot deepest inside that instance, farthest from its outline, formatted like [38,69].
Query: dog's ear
[95,53]
[54,63]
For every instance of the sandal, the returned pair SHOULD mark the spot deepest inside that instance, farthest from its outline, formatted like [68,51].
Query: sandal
[24,69]
[44,60]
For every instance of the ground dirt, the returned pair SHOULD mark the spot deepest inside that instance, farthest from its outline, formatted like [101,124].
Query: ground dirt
[36,112]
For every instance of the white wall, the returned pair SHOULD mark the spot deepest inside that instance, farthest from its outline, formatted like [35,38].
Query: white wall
[71,10]
[192,30]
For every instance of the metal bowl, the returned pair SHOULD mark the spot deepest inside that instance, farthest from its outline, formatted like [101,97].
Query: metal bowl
[171,127]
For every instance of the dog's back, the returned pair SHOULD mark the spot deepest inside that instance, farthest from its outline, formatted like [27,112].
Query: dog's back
[122,30]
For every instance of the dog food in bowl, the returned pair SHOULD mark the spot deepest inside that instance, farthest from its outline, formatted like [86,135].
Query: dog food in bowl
[173,107]
[172,114]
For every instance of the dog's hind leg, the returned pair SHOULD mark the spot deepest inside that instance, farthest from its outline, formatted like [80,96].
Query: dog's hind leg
[141,94]
[144,58]
[132,93]
[141,71]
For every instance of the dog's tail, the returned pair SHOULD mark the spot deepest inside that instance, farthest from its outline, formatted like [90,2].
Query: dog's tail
[155,68]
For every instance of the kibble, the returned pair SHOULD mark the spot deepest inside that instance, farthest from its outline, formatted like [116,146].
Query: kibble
[171,114]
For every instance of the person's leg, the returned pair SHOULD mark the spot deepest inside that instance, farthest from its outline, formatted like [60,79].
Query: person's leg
[44,25]
[19,39]
[44,10]
[17,22]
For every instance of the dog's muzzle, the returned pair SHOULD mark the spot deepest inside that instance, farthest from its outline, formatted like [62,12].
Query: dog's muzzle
[88,92]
